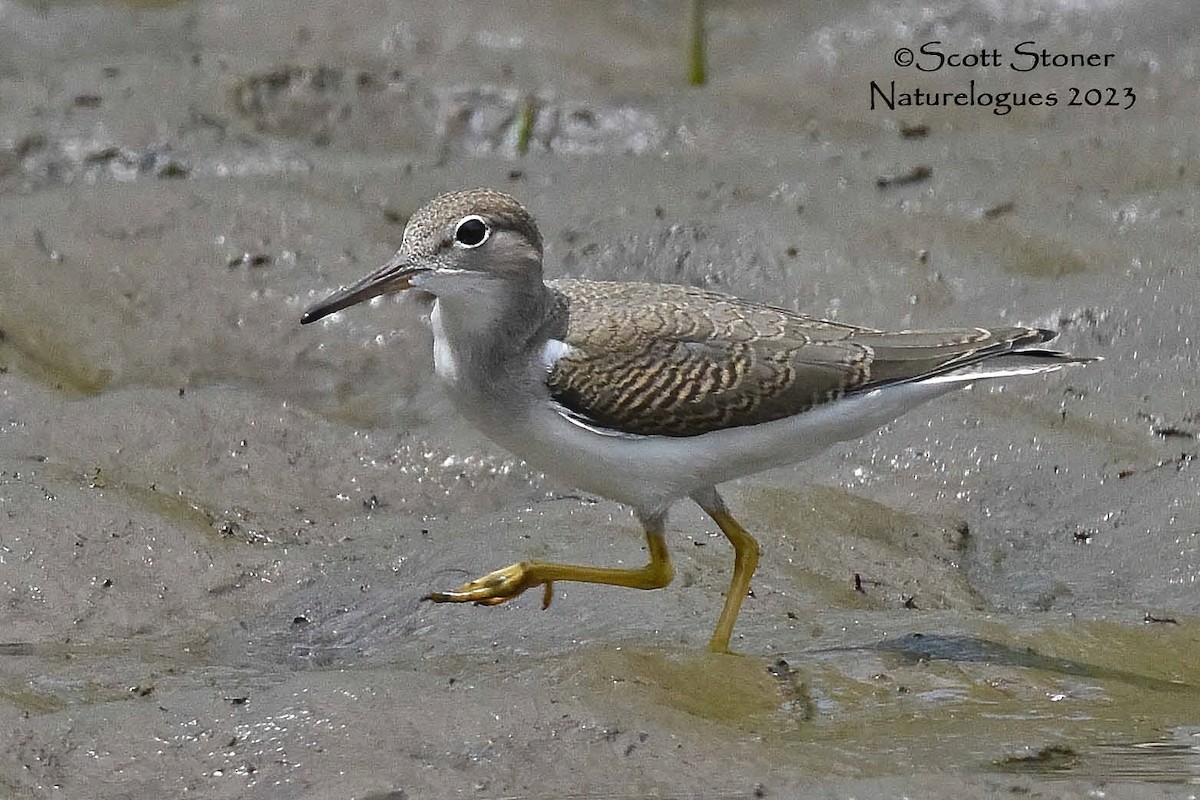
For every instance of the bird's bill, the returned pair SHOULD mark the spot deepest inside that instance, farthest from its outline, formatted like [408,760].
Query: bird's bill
[394,276]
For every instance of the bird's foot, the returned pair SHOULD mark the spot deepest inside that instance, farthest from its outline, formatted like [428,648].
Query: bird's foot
[498,587]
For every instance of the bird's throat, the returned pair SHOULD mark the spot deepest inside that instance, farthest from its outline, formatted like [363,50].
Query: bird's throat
[479,338]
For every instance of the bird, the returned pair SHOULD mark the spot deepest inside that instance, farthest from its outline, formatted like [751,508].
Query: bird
[648,393]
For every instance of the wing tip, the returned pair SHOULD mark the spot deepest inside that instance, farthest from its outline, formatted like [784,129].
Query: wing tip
[1045,334]
[1022,345]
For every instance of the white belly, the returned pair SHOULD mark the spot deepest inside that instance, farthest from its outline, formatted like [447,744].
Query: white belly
[651,472]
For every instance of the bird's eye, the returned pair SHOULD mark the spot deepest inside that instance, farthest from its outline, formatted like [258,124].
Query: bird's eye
[471,232]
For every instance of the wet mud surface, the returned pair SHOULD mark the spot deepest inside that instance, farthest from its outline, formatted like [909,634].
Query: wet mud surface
[215,525]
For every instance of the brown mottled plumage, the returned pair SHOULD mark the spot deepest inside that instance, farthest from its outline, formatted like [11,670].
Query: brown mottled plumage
[655,359]
[426,233]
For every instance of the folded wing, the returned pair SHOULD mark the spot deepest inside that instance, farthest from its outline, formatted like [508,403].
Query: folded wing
[678,361]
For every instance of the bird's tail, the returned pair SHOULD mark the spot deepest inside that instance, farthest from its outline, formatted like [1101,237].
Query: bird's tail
[1014,355]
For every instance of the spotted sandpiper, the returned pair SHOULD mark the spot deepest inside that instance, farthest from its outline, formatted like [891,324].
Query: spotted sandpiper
[648,393]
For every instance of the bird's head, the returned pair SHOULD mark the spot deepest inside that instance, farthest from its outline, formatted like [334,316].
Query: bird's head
[458,244]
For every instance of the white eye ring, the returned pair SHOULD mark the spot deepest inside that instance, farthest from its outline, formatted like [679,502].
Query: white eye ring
[472,231]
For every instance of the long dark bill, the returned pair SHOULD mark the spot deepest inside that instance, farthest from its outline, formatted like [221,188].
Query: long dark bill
[394,276]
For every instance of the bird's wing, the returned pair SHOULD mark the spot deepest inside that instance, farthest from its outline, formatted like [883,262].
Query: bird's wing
[678,361]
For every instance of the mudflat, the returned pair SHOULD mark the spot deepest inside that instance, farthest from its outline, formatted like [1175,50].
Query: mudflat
[215,524]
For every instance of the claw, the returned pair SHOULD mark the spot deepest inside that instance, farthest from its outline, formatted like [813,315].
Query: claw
[494,588]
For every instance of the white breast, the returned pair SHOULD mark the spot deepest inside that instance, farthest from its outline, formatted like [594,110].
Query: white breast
[443,357]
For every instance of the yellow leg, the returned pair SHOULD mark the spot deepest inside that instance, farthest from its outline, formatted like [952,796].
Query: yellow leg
[745,561]
[509,582]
